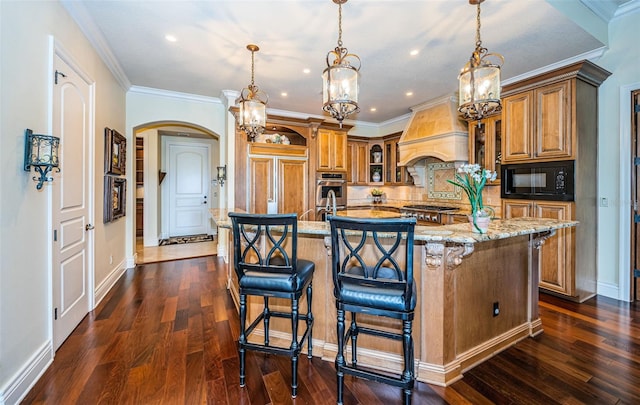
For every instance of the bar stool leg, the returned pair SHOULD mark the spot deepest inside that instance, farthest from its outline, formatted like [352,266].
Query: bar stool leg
[267,318]
[340,356]
[309,321]
[294,348]
[407,347]
[354,340]
[243,337]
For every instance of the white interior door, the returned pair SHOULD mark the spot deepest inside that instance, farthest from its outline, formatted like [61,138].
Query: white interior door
[72,255]
[188,171]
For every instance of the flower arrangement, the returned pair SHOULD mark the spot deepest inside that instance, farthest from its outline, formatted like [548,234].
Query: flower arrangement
[472,179]
[376,193]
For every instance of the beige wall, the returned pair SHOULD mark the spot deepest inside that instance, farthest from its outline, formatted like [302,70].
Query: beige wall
[25,268]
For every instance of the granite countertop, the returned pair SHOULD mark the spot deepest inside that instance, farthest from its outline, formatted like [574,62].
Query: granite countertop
[396,205]
[456,233]
[368,213]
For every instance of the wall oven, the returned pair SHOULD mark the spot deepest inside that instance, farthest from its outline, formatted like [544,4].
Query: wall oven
[326,181]
[539,181]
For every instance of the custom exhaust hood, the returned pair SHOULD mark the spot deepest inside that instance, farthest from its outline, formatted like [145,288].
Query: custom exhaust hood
[434,130]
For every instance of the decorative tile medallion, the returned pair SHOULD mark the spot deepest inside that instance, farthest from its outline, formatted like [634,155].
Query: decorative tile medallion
[439,187]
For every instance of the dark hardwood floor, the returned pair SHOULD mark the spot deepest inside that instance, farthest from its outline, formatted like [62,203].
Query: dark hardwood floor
[165,334]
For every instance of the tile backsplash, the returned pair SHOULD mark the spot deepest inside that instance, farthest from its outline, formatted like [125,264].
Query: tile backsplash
[437,185]
[437,190]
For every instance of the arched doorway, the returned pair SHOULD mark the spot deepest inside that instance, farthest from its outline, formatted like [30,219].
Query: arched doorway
[158,180]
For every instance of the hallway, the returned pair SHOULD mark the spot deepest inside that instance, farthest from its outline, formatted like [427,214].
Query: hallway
[155,254]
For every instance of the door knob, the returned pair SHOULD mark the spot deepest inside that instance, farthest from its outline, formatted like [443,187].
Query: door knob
[88,227]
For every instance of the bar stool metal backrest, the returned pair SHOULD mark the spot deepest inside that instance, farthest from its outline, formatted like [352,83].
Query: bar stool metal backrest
[267,265]
[372,266]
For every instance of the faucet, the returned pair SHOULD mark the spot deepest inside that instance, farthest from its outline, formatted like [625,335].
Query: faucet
[304,214]
[331,202]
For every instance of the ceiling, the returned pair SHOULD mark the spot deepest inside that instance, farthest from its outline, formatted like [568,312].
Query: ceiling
[210,53]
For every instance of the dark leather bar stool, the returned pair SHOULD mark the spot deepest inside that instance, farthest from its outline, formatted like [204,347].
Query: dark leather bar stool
[372,265]
[267,265]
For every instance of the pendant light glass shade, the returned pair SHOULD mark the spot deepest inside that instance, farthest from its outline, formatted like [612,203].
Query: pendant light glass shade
[341,78]
[252,117]
[479,80]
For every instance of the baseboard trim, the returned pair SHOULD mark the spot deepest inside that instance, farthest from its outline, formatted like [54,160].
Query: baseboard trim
[109,282]
[610,290]
[17,388]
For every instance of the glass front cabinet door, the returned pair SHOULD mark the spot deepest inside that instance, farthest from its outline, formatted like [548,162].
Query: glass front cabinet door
[485,143]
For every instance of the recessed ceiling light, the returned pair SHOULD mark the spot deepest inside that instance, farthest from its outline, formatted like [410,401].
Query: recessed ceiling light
[284,94]
[306,70]
[170,38]
[373,109]
[414,52]
[409,93]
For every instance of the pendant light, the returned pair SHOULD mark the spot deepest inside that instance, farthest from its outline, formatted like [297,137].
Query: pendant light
[479,80]
[252,117]
[341,78]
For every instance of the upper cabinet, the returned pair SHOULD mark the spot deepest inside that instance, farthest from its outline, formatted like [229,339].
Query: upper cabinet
[538,123]
[332,149]
[357,152]
[546,117]
[394,174]
[485,143]
[376,163]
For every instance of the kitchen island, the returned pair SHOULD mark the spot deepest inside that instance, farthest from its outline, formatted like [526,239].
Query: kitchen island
[477,294]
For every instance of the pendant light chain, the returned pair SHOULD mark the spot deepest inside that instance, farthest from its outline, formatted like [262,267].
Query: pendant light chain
[252,67]
[340,25]
[478,40]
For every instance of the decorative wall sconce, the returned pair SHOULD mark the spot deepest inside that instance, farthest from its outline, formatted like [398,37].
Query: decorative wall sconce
[222,174]
[41,152]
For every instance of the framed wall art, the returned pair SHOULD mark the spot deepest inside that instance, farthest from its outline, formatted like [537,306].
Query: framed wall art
[115,190]
[115,152]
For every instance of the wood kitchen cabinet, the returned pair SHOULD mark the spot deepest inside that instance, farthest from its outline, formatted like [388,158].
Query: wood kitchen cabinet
[554,116]
[538,123]
[278,179]
[394,174]
[332,149]
[556,256]
[376,163]
[485,143]
[357,162]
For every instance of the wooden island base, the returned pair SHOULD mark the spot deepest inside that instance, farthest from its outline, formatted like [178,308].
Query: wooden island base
[461,278]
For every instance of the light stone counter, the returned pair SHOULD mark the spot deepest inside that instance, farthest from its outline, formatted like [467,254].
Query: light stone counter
[455,233]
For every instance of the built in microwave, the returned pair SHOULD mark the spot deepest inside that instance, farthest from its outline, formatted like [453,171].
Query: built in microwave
[539,181]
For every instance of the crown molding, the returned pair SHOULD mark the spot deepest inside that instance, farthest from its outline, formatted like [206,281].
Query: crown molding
[591,55]
[87,25]
[174,94]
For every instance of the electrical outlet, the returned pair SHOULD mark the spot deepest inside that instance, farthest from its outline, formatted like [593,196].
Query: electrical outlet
[496,308]
[110,259]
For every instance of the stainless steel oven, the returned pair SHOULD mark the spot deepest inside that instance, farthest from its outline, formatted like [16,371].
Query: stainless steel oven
[539,181]
[326,181]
